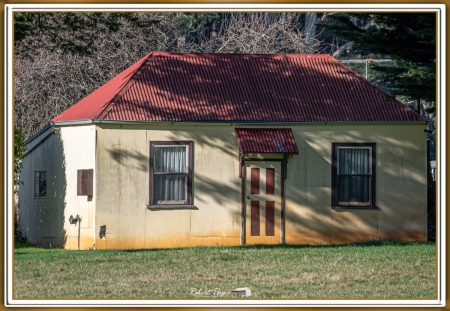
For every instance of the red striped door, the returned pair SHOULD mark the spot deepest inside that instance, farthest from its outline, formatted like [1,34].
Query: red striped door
[263,202]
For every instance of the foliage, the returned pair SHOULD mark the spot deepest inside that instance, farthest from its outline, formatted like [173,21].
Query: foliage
[19,238]
[69,32]
[19,151]
[47,81]
[409,39]
[378,270]
[261,33]
[191,21]
[50,76]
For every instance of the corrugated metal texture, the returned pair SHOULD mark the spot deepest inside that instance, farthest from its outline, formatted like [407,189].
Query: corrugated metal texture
[92,105]
[242,87]
[257,140]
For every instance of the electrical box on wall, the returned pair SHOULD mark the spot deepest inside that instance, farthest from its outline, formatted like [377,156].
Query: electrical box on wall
[85,182]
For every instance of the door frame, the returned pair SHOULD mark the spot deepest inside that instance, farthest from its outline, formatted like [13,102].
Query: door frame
[242,174]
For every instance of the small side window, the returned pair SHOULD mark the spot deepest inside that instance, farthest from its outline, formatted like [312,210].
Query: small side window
[40,184]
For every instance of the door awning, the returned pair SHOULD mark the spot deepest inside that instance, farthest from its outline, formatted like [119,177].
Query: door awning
[264,140]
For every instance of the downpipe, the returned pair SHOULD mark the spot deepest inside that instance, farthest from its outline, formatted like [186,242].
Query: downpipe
[75,220]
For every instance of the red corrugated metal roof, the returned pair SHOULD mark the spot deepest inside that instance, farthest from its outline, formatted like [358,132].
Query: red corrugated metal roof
[266,140]
[239,87]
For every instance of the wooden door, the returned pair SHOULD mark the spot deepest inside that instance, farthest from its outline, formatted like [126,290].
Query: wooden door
[263,202]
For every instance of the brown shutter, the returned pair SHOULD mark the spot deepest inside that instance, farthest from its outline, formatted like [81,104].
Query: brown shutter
[85,182]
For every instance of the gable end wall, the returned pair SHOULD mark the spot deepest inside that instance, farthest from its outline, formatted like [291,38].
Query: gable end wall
[45,221]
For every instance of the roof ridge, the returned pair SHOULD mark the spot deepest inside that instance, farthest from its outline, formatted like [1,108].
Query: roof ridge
[236,55]
[126,86]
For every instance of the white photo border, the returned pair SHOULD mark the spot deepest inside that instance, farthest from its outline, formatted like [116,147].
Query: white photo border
[440,153]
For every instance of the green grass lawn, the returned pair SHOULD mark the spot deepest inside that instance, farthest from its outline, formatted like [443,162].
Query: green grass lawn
[371,270]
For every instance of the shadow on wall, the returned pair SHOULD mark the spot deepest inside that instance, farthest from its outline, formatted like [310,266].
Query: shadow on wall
[42,219]
[131,159]
[211,139]
[309,177]
[311,189]
[58,195]
[205,188]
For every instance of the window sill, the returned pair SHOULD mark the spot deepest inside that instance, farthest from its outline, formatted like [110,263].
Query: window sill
[354,207]
[167,206]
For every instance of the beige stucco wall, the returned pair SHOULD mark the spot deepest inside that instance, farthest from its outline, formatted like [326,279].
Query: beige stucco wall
[122,189]
[400,186]
[79,153]
[122,166]
[45,221]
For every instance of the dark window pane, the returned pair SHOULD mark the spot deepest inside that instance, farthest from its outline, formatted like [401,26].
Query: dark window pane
[43,188]
[354,161]
[40,184]
[354,189]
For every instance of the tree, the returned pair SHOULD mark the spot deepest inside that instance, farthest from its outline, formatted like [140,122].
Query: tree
[69,32]
[256,33]
[19,151]
[53,79]
[50,80]
[407,38]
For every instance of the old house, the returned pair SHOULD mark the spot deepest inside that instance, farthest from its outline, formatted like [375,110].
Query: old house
[186,149]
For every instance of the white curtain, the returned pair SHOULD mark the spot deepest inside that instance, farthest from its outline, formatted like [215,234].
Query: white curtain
[170,173]
[354,175]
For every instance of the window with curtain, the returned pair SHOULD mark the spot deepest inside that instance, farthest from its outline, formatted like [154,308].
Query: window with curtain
[170,172]
[353,175]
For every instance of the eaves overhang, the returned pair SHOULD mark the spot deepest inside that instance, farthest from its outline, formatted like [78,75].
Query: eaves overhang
[231,123]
